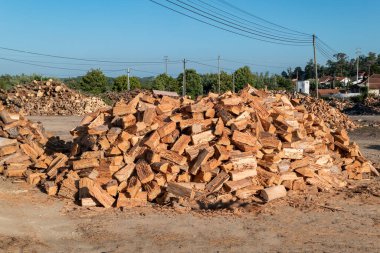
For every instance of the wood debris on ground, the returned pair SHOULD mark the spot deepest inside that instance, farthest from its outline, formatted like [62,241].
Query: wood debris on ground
[49,98]
[165,150]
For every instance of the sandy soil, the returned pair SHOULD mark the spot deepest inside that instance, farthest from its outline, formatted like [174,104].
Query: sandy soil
[344,221]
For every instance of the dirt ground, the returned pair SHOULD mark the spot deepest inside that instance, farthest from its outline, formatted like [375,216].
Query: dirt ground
[347,220]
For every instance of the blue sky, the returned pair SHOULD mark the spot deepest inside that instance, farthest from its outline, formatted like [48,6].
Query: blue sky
[138,30]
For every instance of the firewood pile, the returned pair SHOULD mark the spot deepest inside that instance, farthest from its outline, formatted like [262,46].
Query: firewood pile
[166,150]
[49,98]
[22,147]
[332,116]
[370,106]
[115,96]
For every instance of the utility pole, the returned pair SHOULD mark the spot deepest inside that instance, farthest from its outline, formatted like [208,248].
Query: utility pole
[218,74]
[166,64]
[184,78]
[128,83]
[369,74]
[357,64]
[233,82]
[315,65]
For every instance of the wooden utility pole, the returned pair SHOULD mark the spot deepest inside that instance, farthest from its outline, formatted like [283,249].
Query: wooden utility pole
[166,65]
[315,65]
[357,64]
[128,83]
[184,78]
[233,82]
[219,74]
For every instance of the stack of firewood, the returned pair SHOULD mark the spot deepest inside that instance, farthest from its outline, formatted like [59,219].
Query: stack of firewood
[332,116]
[49,98]
[22,148]
[164,149]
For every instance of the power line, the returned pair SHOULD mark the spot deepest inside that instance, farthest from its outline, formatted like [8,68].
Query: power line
[253,64]
[75,58]
[209,65]
[74,69]
[241,27]
[327,46]
[257,25]
[328,53]
[222,28]
[234,25]
[262,19]
[144,71]
[324,53]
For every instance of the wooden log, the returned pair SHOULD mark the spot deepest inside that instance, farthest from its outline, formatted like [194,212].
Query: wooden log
[293,153]
[85,163]
[144,171]
[201,158]
[180,191]
[167,129]
[171,138]
[149,115]
[7,150]
[134,186]
[104,198]
[84,187]
[173,157]
[51,188]
[202,137]
[237,175]
[5,117]
[112,187]
[124,201]
[221,153]
[305,172]
[219,127]
[217,182]
[244,138]
[248,191]
[153,190]
[274,192]
[181,144]
[153,140]
[88,202]
[232,186]
[243,160]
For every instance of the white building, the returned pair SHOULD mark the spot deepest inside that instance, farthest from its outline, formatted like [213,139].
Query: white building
[303,87]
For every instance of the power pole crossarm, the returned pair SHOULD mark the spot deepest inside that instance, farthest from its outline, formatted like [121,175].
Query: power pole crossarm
[315,64]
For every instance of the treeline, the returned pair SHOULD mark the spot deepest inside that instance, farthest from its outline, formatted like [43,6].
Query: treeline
[340,65]
[95,82]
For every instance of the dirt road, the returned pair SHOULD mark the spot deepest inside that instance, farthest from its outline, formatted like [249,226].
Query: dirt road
[343,221]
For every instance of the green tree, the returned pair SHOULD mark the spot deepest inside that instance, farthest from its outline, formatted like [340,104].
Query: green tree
[243,76]
[284,83]
[121,83]
[194,86]
[165,82]
[210,82]
[94,82]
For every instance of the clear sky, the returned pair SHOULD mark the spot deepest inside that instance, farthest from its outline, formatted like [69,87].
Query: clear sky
[138,30]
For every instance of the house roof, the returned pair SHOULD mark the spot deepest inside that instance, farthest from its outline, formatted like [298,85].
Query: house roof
[374,81]
[165,93]
[324,92]
[325,79]
[341,78]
